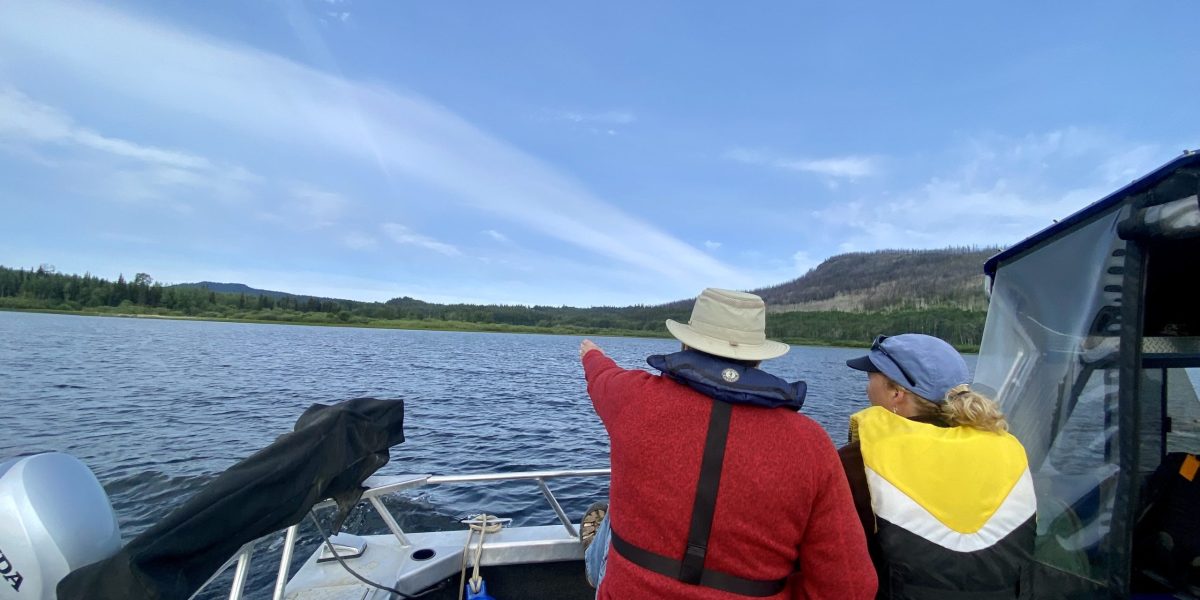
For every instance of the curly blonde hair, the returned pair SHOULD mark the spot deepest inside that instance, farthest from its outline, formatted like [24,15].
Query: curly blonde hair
[964,407]
[972,409]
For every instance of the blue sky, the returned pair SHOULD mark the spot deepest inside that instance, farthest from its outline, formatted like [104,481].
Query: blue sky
[565,153]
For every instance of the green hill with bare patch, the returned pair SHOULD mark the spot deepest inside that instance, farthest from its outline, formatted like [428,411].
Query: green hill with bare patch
[887,280]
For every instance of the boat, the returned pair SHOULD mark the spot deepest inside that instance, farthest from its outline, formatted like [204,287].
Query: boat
[1090,328]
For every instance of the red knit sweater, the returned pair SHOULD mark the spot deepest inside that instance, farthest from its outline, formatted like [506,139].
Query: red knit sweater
[783,500]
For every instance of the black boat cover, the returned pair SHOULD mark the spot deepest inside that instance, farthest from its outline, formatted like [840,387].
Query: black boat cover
[328,455]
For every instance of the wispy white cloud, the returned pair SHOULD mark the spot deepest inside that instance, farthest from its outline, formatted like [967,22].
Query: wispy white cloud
[607,117]
[321,208]
[771,269]
[142,172]
[1003,190]
[403,235]
[137,172]
[335,10]
[170,71]
[356,240]
[711,245]
[841,167]
[496,235]
[127,238]
[608,123]
[803,262]
[25,120]
[1125,165]
[26,153]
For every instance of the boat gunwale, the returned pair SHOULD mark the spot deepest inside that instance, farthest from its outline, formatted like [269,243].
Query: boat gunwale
[379,486]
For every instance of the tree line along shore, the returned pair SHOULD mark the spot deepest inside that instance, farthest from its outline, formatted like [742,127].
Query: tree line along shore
[43,289]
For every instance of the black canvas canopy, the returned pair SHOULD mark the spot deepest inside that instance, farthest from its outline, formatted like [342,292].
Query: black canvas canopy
[332,449]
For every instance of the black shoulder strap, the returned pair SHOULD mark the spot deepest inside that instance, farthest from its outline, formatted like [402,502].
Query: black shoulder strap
[706,492]
[691,569]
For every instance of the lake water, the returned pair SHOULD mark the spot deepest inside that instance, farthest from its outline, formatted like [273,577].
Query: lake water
[156,408]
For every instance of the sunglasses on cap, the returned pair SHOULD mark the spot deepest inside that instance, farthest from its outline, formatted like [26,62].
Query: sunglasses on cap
[878,345]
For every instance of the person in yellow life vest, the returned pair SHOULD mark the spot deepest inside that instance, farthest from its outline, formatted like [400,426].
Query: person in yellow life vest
[943,490]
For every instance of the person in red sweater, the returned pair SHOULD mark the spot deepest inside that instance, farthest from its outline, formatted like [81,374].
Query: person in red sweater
[720,488]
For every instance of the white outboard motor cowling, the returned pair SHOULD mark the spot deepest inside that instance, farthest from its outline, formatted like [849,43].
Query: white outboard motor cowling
[54,518]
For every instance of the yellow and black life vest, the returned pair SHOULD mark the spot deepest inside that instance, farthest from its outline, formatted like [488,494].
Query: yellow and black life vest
[954,506]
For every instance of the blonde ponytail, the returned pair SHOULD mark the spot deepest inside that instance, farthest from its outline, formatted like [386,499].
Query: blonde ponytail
[965,407]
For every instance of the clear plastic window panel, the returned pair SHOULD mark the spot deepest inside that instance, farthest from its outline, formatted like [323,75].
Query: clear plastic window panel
[1049,356]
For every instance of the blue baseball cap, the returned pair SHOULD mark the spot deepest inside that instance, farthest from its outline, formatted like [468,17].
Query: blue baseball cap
[925,365]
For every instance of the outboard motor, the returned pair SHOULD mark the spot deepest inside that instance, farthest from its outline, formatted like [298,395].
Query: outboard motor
[54,518]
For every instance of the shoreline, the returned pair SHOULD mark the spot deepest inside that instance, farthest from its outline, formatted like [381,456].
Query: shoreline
[449,326]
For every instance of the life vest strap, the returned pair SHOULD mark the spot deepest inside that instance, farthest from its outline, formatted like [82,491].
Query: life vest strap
[705,504]
[670,567]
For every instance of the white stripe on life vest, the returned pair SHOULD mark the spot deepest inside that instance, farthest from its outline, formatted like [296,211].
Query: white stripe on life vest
[896,507]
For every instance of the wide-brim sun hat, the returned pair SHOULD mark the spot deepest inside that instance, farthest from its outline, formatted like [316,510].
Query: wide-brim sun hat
[729,324]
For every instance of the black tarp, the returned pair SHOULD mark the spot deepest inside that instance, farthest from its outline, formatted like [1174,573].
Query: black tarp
[328,455]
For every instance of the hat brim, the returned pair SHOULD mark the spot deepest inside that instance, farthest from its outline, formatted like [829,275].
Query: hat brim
[694,339]
[863,363]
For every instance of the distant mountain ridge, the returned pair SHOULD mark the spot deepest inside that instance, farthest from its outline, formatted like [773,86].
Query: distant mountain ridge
[846,300]
[887,280]
[241,288]
[878,281]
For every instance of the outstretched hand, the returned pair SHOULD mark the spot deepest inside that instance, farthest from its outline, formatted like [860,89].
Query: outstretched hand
[586,346]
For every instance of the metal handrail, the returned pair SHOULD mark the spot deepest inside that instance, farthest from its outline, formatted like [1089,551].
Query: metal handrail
[242,573]
[285,562]
[516,476]
[382,486]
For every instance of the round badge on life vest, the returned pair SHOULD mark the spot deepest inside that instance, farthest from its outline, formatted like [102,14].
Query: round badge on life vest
[730,375]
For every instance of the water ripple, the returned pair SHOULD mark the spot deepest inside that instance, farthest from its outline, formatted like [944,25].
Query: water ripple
[157,408]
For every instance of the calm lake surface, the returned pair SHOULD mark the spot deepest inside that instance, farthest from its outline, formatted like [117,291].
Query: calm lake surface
[156,408]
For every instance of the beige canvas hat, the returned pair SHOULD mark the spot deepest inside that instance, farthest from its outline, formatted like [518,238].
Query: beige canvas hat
[730,324]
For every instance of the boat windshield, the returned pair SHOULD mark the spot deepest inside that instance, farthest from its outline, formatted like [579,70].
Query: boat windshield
[1049,357]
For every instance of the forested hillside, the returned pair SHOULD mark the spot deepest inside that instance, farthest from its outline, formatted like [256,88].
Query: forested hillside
[45,289]
[887,280]
[233,288]
[848,299]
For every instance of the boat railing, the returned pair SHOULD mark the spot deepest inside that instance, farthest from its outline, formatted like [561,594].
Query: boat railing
[377,488]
